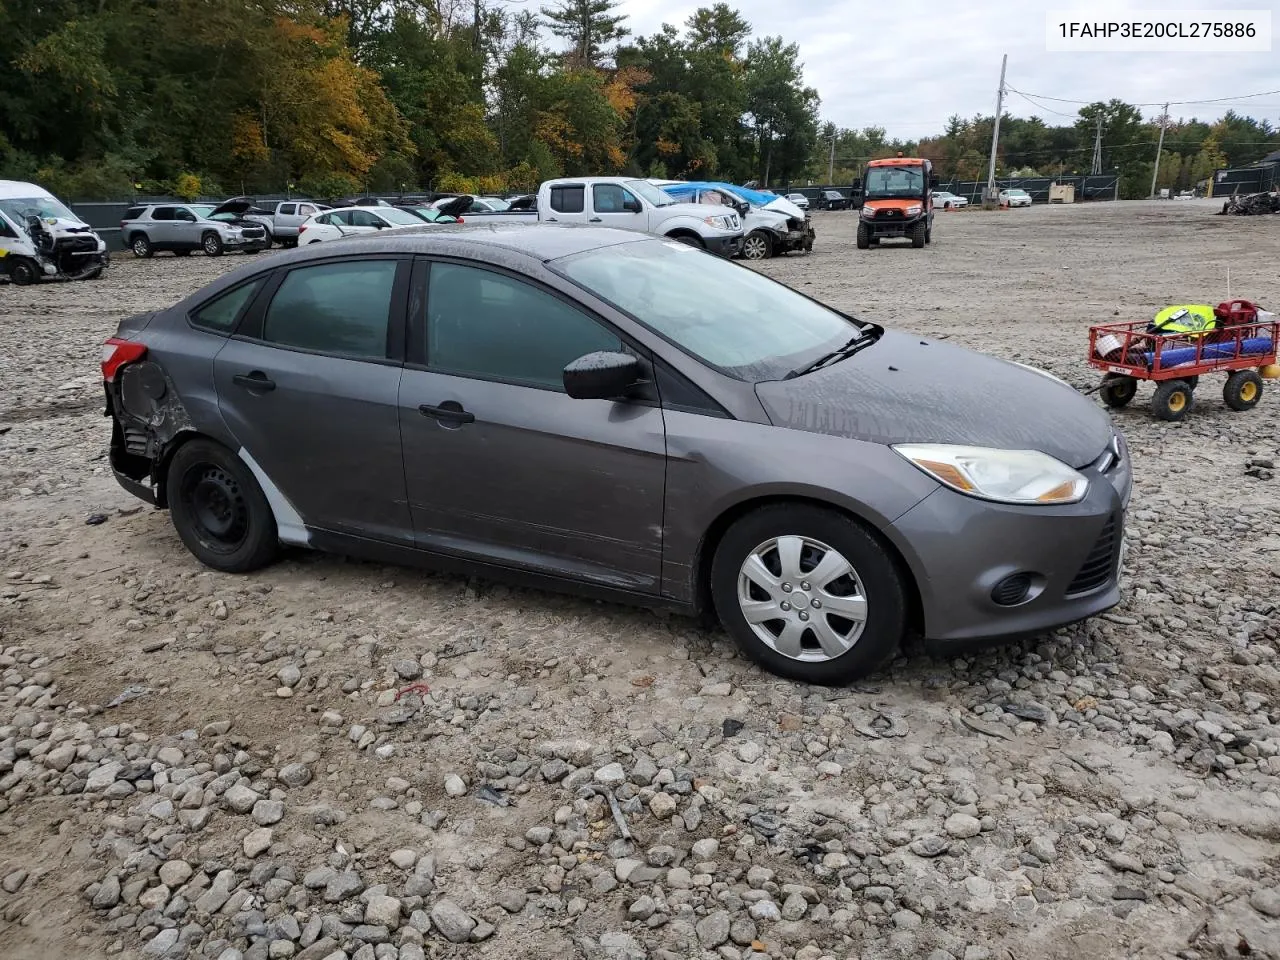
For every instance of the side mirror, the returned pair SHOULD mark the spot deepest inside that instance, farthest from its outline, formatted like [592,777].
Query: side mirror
[632,206]
[603,375]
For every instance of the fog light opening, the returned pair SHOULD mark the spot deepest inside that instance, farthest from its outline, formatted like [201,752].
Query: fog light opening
[1012,590]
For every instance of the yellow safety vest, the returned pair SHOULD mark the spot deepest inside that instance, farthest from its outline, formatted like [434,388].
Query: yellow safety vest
[1185,318]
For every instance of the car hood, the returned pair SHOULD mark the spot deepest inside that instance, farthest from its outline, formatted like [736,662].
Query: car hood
[910,389]
[238,206]
[784,206]
[456,207]
[698,210]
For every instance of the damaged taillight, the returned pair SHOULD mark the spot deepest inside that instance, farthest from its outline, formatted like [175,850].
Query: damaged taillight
[116,353]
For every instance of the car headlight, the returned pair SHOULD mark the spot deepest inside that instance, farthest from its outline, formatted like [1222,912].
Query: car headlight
[1004,476]
[914,211]
[868,212]
[722,223]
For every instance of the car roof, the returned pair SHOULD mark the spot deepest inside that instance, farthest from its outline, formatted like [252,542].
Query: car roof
[20,189]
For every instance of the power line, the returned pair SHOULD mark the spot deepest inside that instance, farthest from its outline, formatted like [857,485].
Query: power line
[1155,103]
[1039,106]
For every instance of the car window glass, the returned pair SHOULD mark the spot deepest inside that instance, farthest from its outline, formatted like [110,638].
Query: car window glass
[222,313]
[609,198]
[162,213]
[486,324]
[6,230]
[286,209]
[133,213]
[336,308]
[363,218]
[568,199]
[305,210]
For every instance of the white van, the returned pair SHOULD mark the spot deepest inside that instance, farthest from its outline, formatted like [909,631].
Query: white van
[41,237]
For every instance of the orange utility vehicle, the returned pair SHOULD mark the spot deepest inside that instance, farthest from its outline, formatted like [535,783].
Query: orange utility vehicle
[897,201]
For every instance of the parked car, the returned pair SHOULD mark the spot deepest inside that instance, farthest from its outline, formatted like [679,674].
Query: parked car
[624,417]
[149,228]
[799,199]
[282,218]
[948,200]
[478,204]
[352,221]
[41,237]
[774,225]
[832,200]
[628,203]
[1014,197]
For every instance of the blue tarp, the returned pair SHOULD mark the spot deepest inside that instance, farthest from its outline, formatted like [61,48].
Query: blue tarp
[1211,351]
[757,198]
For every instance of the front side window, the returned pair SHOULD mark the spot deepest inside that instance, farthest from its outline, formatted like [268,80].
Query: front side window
[220,315]
[486,324]
[335,308]
[610,198]
[732,318]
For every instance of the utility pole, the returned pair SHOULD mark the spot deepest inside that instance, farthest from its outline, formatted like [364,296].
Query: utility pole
[831,161]
[995,136]
[1096,168]
[1164,119]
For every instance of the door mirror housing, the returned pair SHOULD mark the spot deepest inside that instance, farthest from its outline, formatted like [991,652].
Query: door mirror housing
[602,375]
[632,205]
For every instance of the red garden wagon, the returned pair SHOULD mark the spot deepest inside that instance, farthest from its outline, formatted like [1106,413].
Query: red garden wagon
[1243,347]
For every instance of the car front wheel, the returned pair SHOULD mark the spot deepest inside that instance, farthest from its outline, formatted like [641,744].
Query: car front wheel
[218,508]
[808,594]
[212,244]
[757,246]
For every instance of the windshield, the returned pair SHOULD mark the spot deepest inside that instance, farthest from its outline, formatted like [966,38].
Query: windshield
[730,317]
[886,183]
[397,216]
[20,208]
[650,193]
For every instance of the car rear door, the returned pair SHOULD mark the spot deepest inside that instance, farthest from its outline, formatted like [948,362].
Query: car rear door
[501,464]
[309,386]
[567,203]
[162,228]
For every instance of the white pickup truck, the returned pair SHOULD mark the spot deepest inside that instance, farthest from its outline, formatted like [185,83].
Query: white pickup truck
[627,203]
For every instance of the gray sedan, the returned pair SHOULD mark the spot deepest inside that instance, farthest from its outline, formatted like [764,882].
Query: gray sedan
[628,418]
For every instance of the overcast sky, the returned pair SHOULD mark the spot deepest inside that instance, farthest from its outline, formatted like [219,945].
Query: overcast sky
[894,65]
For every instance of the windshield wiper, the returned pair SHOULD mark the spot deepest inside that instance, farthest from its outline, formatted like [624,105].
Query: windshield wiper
[848,349]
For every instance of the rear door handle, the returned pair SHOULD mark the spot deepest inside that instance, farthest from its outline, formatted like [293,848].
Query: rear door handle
[448,412]
[595,220]
[254,381]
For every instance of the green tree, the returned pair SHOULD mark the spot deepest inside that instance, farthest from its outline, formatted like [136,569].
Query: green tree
[588,25]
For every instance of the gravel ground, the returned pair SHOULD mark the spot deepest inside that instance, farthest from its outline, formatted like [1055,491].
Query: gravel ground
[335,760]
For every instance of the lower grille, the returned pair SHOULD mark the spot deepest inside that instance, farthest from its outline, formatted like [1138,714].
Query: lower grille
[1099,565]
[135,441]
[78,244]
[251,234]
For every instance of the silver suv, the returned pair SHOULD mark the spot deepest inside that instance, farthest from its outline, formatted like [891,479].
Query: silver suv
[183,227]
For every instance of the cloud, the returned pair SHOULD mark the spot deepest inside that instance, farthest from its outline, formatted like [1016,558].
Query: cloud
[906,69]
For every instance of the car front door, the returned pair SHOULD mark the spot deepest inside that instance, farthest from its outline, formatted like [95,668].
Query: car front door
[186,228]
[309,387]
[362,221]
[501,464]
[616,206]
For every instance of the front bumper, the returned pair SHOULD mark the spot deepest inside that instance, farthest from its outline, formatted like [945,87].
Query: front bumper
[724,246]
[961,549]
[892,226]
[797,238]
[245,243]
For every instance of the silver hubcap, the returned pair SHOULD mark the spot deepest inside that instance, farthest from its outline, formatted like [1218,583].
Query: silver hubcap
[754,248]
[210,245]
[802,598]
[139,247]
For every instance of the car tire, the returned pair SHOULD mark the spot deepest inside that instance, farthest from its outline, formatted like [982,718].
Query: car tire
[918,235]
[1242,390]
[218,509]
[211,244]
[24,272]
[807,535]
[1173,400]
[1117,391]
[689,239]
[757,246]
[864,237]
[141,246]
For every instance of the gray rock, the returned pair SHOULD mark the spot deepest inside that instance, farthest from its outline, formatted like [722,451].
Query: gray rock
[713,929]
[268,812]
[662,806]
[554,770]
[404,859]
[162,943]
[962,826]
[257,842]
[749,751]
[705,850]
[295,775]
[611,775]
[239,799]
[171,756]
[794,907]
[319,877]
[743,931]
[342,886]
[454,923]
[929,846]
[411,951]
[642,909]
[289,676]
[455,786]
[218,893]
[407,669]
[382,911]
[102,777]
[14,881]
[1042,849]
[765,910]
[61,757]
[1266,902]
[621,946]
[907,920]
[514,901]
[108,894]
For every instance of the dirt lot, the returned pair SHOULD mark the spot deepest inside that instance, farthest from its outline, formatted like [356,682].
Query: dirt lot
[195,764]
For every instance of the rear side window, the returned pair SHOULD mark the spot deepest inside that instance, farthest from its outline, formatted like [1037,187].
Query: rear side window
[568,199]
[162,213]
[133,213]
[286,209]
[305,211]
[220,314]
[335,308]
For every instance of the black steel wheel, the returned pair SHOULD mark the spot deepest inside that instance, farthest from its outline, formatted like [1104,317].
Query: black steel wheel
[1118,390]
[218,508]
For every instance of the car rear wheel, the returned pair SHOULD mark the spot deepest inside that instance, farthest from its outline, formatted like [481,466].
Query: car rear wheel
[808,594]
[1118,390]
[141,246]
[1172,400]
[219,510]
[757,246]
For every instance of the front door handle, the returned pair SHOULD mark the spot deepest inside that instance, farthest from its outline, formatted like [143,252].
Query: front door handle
[448,412]
[552,220]
[254,381]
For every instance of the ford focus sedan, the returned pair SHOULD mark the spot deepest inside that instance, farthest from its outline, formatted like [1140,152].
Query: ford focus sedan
[628,418]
